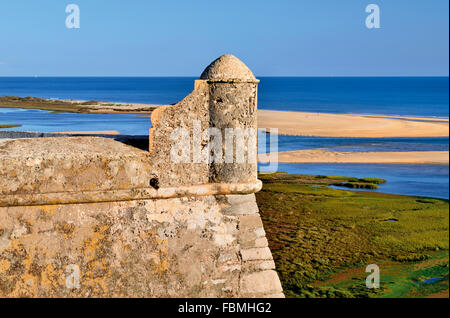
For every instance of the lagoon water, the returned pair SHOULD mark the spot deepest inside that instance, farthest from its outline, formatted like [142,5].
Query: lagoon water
[45,121]
[424,97]
[406,179]
[288,143]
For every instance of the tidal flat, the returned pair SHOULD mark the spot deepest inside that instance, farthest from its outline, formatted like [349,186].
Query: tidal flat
[323,238]
[9,126]
[74,106]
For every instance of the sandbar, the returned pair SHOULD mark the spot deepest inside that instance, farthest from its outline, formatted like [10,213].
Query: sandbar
[323,156]
[343,125]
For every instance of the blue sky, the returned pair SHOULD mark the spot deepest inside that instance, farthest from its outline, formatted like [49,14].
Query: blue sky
[180,37]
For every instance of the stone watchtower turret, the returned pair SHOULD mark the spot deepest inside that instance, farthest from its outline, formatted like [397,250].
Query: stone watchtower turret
[233,92]
[224,99]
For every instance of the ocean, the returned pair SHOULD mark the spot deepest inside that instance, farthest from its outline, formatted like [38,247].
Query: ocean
[405,96]
[410,96]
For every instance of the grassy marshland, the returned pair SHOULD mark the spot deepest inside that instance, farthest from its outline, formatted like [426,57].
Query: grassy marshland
[323,238]
[358,185]
[351,182]
[373,180]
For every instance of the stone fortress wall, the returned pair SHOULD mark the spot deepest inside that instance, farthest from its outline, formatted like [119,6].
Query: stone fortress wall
[93,217]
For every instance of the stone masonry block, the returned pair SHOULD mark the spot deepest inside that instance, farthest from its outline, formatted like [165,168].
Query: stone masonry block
[254,266]
[251,241]
[266,282]
[248,222]
[240,204]
[256,254]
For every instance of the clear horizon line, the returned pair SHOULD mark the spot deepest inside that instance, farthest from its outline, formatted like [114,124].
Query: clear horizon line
[191,76]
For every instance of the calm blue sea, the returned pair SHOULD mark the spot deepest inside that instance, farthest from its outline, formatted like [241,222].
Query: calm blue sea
[415,96]
[425,97]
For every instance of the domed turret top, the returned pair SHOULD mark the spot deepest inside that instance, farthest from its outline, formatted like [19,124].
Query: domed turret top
[228,68]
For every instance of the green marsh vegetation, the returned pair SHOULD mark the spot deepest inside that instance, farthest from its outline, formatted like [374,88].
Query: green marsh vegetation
[322,238]
[373,180]
[355,183]
[358,185]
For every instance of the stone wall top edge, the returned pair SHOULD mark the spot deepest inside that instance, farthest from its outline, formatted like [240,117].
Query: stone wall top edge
[82,197]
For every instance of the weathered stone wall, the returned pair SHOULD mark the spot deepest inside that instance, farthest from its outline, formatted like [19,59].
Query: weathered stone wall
[181,247]
[92,217]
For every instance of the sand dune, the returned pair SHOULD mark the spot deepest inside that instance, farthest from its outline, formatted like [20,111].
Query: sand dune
[322,156]
[341,125]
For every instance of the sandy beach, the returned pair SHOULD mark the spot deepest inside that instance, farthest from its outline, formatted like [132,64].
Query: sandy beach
[322,156]
[98,132]
[342,125]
